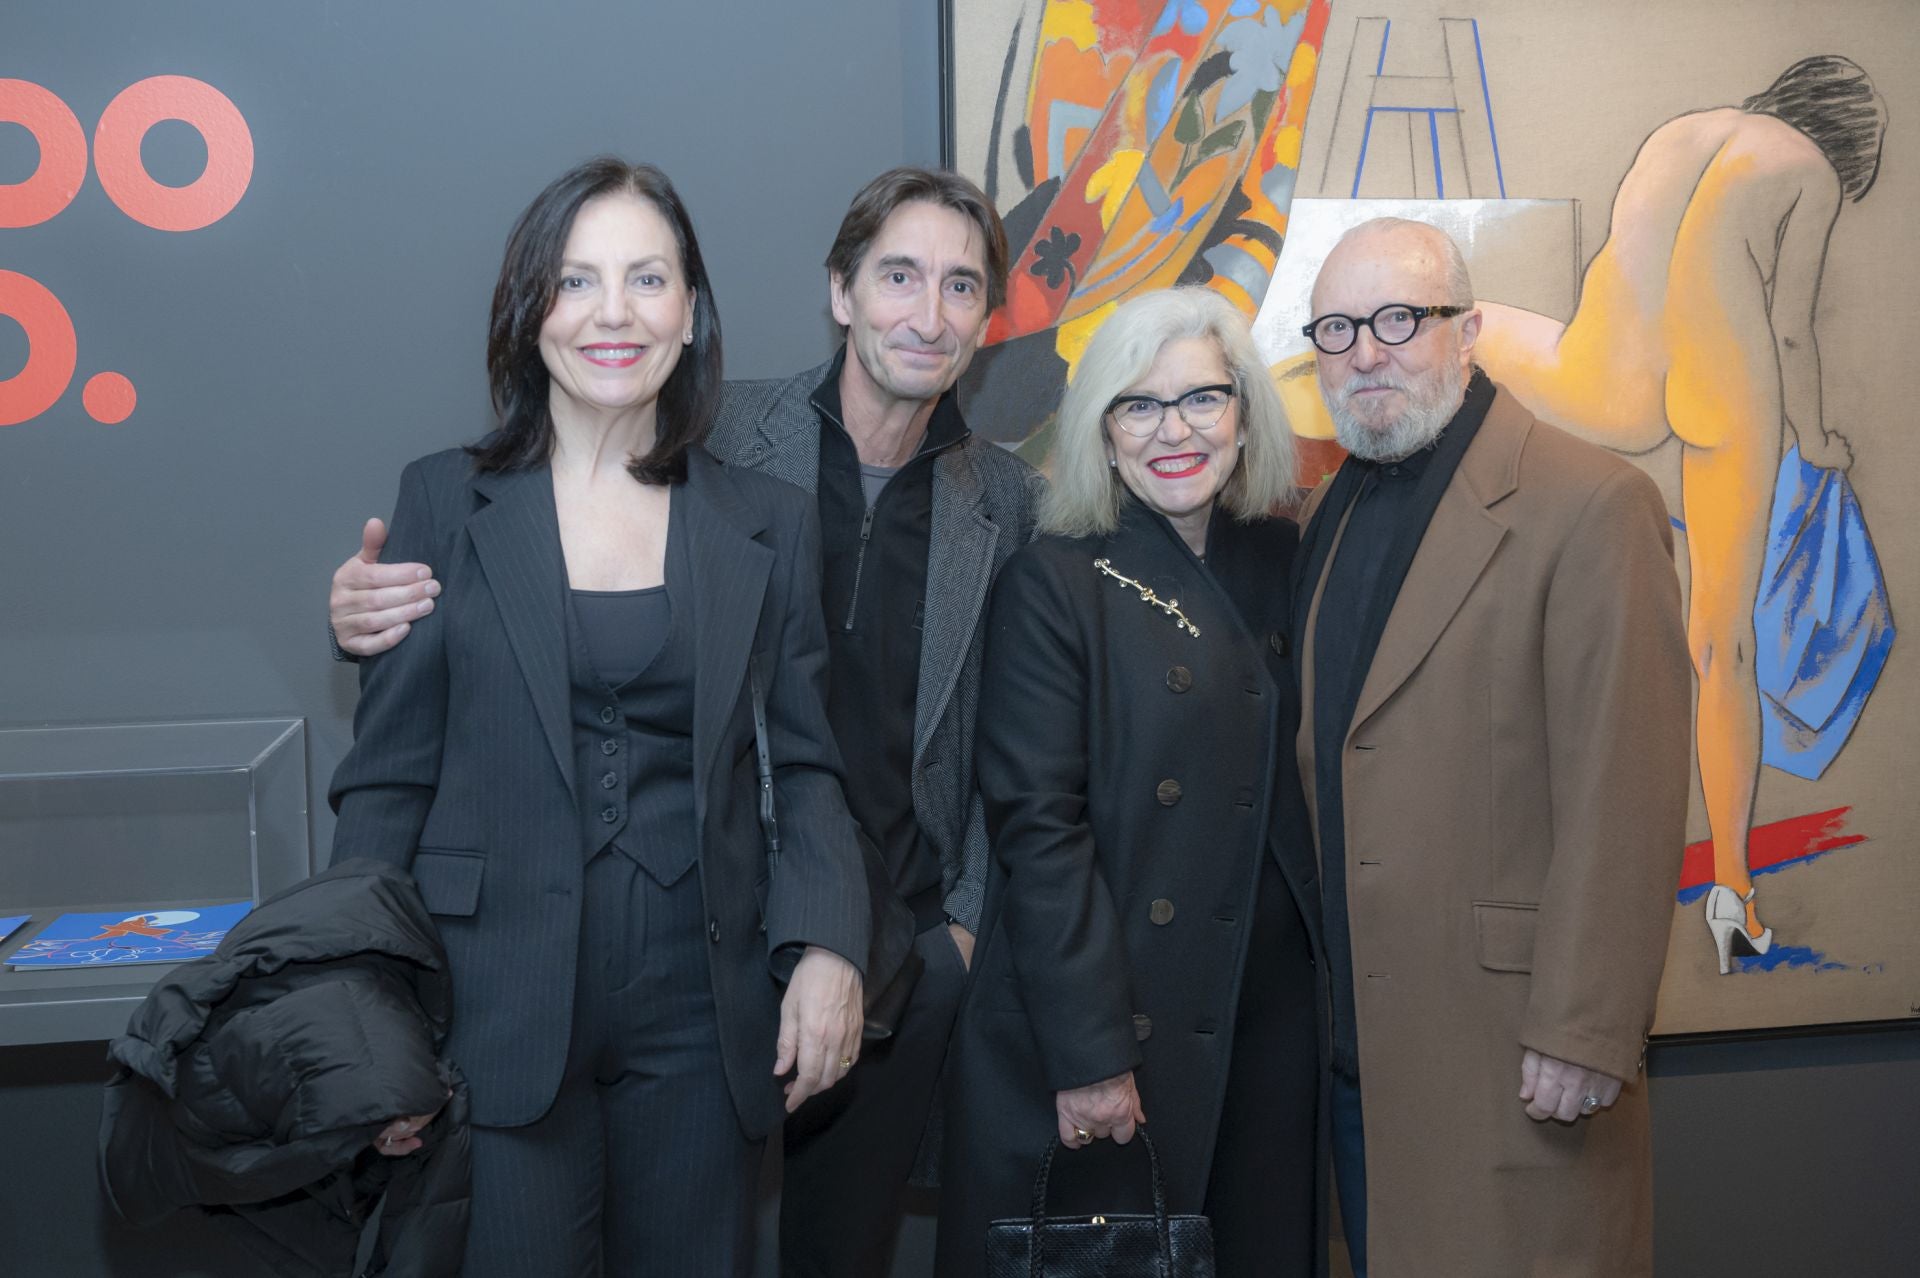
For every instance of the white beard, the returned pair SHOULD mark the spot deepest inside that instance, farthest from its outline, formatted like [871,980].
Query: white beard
[1433,397]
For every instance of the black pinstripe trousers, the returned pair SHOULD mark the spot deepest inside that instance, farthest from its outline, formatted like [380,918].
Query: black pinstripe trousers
[640,1168]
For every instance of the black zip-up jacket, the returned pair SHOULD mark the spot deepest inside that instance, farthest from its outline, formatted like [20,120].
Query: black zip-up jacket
[252,1082]
[873,591]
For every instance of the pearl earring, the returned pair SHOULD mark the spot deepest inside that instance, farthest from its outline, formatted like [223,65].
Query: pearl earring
[686,338]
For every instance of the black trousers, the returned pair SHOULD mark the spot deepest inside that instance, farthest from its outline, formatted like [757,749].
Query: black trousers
[640,1167]
[850,1151]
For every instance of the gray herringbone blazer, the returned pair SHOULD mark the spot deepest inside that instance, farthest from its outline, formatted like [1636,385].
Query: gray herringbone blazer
[983,510]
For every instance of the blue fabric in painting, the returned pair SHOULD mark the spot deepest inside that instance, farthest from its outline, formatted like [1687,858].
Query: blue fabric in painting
[1822,619]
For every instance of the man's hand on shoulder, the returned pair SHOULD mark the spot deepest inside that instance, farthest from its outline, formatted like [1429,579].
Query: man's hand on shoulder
[373,605]
[1559,1089]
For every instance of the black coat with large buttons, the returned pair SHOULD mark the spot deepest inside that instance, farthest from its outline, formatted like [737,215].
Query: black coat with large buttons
[1127,766]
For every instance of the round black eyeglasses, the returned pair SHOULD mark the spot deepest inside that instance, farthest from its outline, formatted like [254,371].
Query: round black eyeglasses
[1201,407]
[1393,325]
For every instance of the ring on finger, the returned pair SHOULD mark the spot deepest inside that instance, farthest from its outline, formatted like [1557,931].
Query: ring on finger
[1082,1134]
[846,1062]
[1589,1103]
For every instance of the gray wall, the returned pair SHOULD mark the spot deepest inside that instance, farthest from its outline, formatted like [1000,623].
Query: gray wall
[1792,1156]
[290,358]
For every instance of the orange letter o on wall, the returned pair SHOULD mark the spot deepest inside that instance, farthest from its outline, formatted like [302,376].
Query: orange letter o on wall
[63,154]
[51,349]
[116,153]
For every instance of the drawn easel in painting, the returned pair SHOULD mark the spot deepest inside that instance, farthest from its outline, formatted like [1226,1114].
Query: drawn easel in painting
[1695,321]
[1455,103]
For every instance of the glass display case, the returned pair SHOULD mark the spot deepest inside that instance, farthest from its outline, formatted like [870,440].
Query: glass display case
[140,816]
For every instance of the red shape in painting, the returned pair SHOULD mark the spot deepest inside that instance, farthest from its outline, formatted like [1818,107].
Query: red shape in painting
[1774,844]
[108,398]
[63,154]
[51,348]
[203,201]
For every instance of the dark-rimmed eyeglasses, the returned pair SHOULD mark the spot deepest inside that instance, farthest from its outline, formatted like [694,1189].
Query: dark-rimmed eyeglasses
[1393,325]
[1201,407]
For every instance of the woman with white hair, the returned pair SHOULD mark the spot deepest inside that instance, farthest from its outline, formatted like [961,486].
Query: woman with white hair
[1147,945]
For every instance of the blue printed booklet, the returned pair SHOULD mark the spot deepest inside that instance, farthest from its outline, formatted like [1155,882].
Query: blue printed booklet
[8,922]
[152,936]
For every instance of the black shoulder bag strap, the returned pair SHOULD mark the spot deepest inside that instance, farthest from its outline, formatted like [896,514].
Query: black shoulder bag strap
[893,968]
[763,764]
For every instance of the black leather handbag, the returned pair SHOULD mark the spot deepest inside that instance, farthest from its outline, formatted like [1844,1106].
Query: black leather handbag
[1117,1246]
[893,968]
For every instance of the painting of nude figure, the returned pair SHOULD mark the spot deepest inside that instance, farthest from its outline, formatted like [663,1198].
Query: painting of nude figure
[1741,330]
[1696,323]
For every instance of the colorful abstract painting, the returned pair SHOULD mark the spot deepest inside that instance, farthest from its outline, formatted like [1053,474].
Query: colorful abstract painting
[1129,145]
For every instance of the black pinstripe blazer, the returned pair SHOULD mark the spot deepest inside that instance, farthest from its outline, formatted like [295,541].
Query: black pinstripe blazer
[462,768]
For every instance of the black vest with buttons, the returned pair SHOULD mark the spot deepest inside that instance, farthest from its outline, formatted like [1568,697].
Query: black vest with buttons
[633,745]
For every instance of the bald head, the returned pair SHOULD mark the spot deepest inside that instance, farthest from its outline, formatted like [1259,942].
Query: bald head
[1389,400]
[1417,246]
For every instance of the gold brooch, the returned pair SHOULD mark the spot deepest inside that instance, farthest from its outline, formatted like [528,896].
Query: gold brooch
[1169,606]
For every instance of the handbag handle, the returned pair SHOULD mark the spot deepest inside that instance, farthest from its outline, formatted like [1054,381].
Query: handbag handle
[763,765]
[1035,1267]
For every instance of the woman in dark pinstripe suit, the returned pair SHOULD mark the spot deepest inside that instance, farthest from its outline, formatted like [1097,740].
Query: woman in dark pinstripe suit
[564,759]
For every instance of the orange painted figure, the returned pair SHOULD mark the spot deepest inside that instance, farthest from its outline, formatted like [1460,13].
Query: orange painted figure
[1696,321]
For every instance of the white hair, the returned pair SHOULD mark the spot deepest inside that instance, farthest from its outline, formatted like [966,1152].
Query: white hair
[1086,493]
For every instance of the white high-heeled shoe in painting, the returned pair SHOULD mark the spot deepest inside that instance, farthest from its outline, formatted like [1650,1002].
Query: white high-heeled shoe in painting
[1727,922]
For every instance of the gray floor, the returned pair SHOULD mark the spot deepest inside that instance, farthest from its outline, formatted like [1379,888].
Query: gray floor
[1773,1156]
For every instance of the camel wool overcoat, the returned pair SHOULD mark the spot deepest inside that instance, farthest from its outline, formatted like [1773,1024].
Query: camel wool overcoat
[1515,782]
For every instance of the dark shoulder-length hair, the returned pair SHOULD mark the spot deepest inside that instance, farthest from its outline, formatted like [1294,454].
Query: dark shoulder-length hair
[529,279]
[1830,99]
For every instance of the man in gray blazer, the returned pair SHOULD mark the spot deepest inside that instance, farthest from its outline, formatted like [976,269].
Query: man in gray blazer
[917,516]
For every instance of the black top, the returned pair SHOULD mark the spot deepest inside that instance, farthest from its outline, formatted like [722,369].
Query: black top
[633,735]
[873,591]
[623,629]
[1392,503]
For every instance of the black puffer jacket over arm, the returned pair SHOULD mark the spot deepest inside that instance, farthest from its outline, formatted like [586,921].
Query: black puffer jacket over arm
[252,1082]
